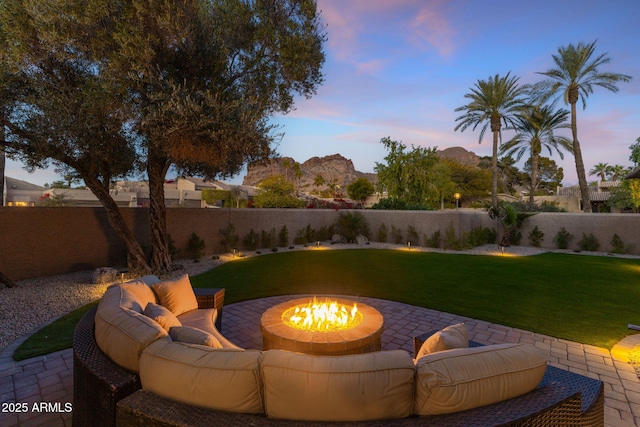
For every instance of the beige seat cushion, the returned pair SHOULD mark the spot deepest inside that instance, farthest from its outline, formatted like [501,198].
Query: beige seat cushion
[121,330]
[176,295]
[162,315]
[189,335]
[454,336]
[219,379]
[466,378]
[361,387]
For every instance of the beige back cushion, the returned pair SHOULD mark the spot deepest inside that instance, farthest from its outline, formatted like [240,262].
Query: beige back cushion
[461,379]
[177,295]
[121,331]
[219,379]
[454,336]
[142,291]
[360,387]
[161,315]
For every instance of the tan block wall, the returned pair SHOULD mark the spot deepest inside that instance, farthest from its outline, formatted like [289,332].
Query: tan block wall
[45,241]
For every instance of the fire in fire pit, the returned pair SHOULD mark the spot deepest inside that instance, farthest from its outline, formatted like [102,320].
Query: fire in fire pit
[322,316]
[299,325]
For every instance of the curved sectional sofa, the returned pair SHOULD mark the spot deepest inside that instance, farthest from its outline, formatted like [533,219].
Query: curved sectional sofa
[150,354]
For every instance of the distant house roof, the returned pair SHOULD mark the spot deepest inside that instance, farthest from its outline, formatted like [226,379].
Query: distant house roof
[16,184]
[634,174]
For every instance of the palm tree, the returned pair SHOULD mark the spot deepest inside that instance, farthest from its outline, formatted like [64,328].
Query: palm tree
[535,127]
[616,171]
[493,102]
[574,78]
[601,169]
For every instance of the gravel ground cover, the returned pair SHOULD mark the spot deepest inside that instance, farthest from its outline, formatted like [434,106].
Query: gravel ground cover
[37,302]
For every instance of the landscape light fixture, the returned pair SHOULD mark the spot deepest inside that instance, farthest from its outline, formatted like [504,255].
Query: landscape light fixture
[457,197]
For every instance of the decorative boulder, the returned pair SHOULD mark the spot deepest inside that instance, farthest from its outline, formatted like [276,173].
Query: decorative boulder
[362,240]
[337,238]
[105,275]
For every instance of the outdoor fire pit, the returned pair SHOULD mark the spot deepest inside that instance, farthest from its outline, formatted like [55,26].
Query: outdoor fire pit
[322,326]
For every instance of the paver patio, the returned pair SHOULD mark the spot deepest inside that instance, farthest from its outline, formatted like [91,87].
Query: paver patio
[48,379]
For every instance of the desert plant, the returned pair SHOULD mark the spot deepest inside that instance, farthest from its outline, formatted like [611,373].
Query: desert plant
[562,239]
[619,247]
[251,241]
[230,238]
[268,238]
[382,233]
[352,224]
[305,236]
[412,236]
[477,237]
[433,241]
[196,246]
[451,240]
[396,234]
[283,237]
[589,243]
[536,236]
[324,233]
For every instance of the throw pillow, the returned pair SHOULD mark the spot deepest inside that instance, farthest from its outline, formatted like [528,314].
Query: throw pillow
[162,315]
[454,336]
[189,335]
[176,295]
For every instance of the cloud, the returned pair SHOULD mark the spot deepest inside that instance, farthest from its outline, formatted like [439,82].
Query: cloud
[430,27]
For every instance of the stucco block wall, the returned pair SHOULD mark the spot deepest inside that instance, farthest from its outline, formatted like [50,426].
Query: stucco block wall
[46,241]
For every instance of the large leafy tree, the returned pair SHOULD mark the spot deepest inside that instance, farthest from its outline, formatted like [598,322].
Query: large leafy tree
[576,74]
[406,174]
[196,79]
[535,127]
[635,152]
[550,176]
[276,192]
[492,103]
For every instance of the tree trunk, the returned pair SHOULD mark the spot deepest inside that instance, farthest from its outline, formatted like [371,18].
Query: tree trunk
[160,258]
[2,162]
[534,176]
[136,260]
[577,154]
[495,128]
[8,282]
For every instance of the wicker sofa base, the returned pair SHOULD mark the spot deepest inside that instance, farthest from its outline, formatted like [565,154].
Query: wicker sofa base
[107,395]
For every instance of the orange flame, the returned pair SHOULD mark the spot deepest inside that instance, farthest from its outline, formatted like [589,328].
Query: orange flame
[325,316]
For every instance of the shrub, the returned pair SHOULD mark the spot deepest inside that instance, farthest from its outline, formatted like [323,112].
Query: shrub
[412,236]
[382,233]
[536,237]
[352,224]
[305,235]
[283,237]
[324,233]
[268,238]
[451,240]
[196,246]
[562,239]
[229,239]
[251,241]
[618,246]
[589,243]
[478,236]
[396,234]
[433,241]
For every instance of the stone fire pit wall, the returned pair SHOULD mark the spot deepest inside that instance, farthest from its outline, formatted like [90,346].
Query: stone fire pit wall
[364,338]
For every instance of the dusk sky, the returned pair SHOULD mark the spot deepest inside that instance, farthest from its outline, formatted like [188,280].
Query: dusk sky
[400,68]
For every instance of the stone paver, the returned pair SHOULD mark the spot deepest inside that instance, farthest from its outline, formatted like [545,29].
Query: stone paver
[39,391]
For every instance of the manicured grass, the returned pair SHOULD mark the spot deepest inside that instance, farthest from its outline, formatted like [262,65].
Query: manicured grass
[58,335]
[580,298]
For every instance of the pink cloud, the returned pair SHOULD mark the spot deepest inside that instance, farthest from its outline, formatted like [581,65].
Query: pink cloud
[432,28]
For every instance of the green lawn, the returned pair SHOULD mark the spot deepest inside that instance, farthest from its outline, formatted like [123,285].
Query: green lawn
[580,298]
[586,299]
